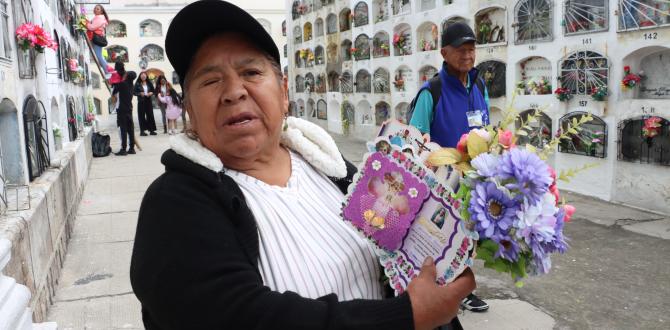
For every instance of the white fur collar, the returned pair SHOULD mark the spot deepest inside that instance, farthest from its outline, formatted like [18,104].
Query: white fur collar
[306,138]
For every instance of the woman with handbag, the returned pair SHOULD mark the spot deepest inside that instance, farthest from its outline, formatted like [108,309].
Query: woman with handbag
[96,29]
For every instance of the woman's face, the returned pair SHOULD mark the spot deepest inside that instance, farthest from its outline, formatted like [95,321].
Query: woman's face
[235,100]
[143,76]
[97,10]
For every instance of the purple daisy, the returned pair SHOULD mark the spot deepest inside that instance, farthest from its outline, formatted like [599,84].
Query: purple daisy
[508,248]
[530,173]
[486,164]
[492,210]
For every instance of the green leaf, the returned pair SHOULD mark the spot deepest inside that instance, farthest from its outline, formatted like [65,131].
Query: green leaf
[521,132]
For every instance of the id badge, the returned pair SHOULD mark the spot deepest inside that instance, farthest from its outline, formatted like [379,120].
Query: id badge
[475,118]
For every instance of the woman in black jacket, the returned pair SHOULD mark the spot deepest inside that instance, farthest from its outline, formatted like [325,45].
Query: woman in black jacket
[144,90]
[243,230]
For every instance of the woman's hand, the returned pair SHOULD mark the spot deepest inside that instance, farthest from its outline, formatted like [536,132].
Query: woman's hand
[434,305]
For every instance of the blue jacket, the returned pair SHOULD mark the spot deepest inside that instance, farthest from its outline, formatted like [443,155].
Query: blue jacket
[459,109]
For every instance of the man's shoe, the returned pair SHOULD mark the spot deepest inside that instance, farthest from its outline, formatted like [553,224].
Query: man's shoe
[152,133]
[121,152]
[474,304]
[131,152]
[143,134]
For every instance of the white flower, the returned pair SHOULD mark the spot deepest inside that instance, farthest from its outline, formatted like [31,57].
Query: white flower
[413,192]
[484,134]
[538,219]
[376,165]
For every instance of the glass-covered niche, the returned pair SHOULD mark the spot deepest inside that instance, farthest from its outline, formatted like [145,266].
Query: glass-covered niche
[347,83]
[656,81]
[297,35]
[116,29]
[322,110]
[363,84]
[401,112]
[402,40]
[331,24]
[345,19]
[591,140]
[318,28]
[533,21]
[401,77]
[535,76]
[399,7]
[426,73]
[361,49]
[333,81]
[346,50]
[641,14]
[493,74]
[428,37]
[639,143]
[381,45]
[490,25]
[382,112]
[580,16]
[381,81]
[151,28]
[361,14]
[380,10]
[583,71]
[539,134]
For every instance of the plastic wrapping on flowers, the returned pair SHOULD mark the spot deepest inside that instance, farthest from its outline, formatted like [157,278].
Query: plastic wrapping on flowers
[509,197]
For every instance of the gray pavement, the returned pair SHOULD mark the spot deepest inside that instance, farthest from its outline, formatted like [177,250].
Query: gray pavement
[615,276]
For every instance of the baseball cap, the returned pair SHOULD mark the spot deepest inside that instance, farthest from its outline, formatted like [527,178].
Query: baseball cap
[457,34]
[202,19]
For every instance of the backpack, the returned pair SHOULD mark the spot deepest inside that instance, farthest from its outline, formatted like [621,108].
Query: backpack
[435,88]
[100,145]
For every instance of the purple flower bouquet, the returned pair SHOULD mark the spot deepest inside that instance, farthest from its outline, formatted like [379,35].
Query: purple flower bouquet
[509,196]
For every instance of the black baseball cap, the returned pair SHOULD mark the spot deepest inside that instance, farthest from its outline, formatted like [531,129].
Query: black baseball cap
[202,19]
[457,34]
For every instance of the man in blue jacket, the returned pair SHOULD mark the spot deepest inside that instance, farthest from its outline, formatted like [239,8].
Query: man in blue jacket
[462,103]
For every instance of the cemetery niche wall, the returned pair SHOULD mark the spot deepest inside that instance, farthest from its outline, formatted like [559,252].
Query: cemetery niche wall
[363,61]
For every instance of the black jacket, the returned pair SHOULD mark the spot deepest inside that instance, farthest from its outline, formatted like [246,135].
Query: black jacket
[137,90]
[195,264]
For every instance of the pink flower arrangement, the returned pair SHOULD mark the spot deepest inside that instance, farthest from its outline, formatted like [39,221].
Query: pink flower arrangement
[651,128]
[30,35]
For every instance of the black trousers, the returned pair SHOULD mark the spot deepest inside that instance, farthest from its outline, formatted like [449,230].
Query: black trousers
[125,122]
[145,114]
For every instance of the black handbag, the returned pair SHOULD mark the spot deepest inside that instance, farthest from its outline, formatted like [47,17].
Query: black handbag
[99,40]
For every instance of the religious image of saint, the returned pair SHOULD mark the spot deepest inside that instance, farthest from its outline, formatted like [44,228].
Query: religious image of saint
[438,217]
